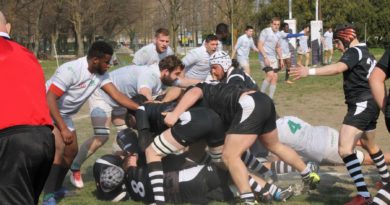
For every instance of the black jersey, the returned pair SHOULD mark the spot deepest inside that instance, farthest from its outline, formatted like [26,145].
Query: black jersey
[223,99]
[360,63]
[239,77]
[384,63]
[199,184]
[154,117]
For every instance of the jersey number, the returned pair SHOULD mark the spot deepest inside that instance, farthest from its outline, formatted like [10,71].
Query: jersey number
[138,188]
[294,127]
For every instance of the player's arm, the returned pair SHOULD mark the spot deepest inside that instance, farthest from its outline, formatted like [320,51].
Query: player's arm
[53,94]
[172,94]
[333,69]
[119,97]
[377,85]
[147,92]
[279,53]
[238,44]
[253,46]
[188,100]
[186,82]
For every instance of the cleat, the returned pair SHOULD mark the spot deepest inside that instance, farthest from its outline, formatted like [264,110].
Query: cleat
[76,180]
[284,194]
[359,200]
[289,82]
[314,167]
[249,202]
[265,198]
[310,182]
[49,201]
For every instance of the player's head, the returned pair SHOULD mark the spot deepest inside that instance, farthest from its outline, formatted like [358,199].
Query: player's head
[306,29]
[220,62]
[249,31]
[4,26]
[211,43]
[99,57]
[127,140]
[111,177]
[343,35]
[285,27]
[222,31]
[275,24]
[170,69]
[162,39]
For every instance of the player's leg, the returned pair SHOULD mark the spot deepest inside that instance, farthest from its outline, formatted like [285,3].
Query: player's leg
[383,196]
[235,145]
[307,58]
[244,63]
[376,154]
[268,77]
[287,62]
[330,55]
[326,56]
[118,119]
[162,145]
[299,59]
[268,191]
[60,166]
[347,140]
[271,142]
[100,113]
[274,81]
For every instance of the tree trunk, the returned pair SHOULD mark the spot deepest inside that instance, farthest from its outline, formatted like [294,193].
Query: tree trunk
[53,42]
[36,32]
[78,33]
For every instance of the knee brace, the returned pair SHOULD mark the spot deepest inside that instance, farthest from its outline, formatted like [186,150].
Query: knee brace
[101,131]
[162,147]
[120,128]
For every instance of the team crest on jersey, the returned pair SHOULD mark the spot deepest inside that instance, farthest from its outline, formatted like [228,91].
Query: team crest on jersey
[82,85]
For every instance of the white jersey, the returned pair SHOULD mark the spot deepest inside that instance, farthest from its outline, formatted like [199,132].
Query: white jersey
[284,43]
[130,79]
[148,55]
[244,45]
[196,62]
[328,40]
[270,40]
[303,46]
[308,141]
[77,83]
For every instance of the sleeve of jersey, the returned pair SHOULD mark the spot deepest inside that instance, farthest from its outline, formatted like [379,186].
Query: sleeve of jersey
[262,36]
[350,58]
[146,80]
[139,57]
[63,78]
[253,46]
[189,59]
[238,44]
[384,62]
[105,80]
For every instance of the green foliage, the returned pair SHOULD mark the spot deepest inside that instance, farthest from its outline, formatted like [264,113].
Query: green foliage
[363,13]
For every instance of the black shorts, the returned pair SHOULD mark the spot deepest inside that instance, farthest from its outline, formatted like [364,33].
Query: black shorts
[268,69]
[209,184]
[256,116]
[362,115]
[201,123]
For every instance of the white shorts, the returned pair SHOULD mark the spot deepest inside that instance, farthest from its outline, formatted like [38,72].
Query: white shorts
[68,121]
[303,51]
[274,64]
[100,108]
[243,61]
[331,154]
[327,48]
[286,56]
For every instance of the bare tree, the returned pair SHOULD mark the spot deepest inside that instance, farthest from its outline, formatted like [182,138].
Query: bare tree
[76,18]
[172,9]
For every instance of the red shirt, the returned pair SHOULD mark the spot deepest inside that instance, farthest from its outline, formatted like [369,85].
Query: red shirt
[22,87]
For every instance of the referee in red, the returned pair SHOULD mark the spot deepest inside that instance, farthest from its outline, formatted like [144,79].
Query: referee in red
[26,140]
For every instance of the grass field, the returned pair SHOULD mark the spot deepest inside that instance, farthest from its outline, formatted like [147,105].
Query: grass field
[317,100]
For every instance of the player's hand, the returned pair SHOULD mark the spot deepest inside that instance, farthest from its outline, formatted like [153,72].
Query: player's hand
[281,64]
[266,62]
[298,72]
[170,118]
[67,136]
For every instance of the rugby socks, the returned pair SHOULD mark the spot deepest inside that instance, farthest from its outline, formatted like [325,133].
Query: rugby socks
[264,86]
[380,164]
[272,189]
[247,197]
[61,177]
[287,75]
[280,167]
[305,174]
[254,185]
[272,89]
[383,196]
[156,177]
[81,156]
[51,181]
[253,164]
[355,171]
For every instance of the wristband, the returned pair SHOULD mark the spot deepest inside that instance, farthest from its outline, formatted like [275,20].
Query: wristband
[312,71]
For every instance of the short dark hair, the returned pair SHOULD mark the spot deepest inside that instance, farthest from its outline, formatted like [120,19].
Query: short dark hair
[284,25]
[99,49]
[248,27]
[211,37]
[163,31]
[171,63]
[275,19]
[222,28]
